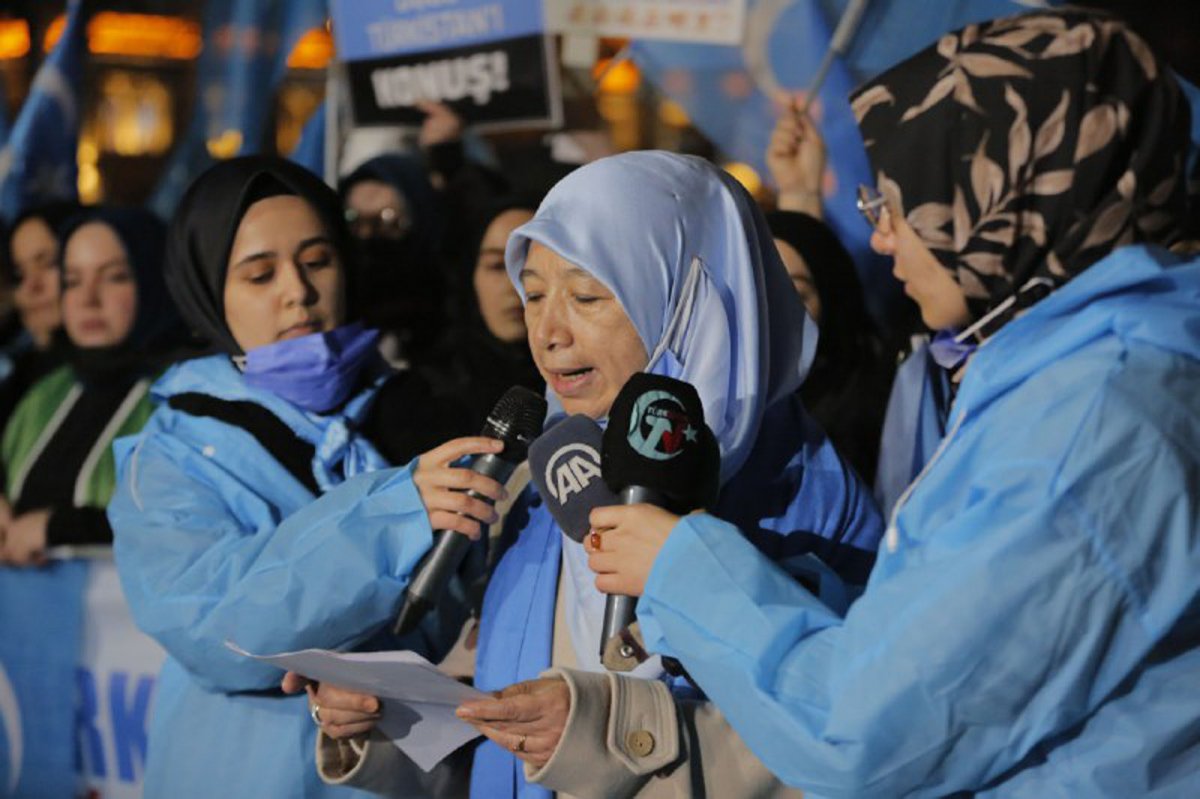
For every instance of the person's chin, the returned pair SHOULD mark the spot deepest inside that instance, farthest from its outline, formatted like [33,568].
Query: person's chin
[590,411]
[92,342]
[513,334]
[591,406]
[41,318]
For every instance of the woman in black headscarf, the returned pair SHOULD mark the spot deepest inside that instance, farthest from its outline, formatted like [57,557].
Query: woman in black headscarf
[121,326]
[258,505]
[486,350]
[397,220]
[847,388]
[30,262]
[410,231]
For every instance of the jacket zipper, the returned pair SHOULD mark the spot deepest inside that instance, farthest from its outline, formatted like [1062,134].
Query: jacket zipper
[892,536]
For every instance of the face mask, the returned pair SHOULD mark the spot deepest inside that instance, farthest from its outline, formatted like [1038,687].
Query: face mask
[315,372]
[948,351]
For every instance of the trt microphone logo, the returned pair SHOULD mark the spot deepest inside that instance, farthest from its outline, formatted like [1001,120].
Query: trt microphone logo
[571,469]
[659,426]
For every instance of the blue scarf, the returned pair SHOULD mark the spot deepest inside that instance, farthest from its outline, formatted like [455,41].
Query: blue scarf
[519,607]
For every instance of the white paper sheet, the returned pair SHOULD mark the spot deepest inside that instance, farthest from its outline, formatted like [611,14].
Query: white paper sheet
[418,700]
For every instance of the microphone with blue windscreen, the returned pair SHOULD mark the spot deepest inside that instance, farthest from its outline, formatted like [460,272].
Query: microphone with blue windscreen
[564,463]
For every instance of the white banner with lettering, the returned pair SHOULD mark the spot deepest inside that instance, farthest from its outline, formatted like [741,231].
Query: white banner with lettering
[710,21]
[116,680]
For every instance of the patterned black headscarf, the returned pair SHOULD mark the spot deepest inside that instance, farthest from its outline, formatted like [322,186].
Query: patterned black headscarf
[1029,147]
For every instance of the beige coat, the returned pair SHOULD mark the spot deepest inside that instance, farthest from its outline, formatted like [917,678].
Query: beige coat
[625,737]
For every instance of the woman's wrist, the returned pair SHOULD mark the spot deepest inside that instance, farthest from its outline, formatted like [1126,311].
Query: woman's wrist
[807,201]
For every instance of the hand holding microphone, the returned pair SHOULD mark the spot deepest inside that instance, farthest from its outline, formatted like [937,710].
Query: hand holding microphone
[656,451]
[459,500]
[455,497]
[625,545]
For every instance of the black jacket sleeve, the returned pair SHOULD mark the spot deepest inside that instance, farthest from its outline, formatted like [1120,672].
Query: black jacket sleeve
[78,526]
[409,418]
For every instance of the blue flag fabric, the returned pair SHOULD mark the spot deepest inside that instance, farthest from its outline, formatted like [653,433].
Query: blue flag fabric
[1192,92]
[310,150]
[3,116]
[732,94]
[41,614]
[37,162]
[246,45]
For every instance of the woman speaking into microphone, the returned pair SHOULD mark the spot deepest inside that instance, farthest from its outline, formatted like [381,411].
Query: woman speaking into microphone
[658,263]
[256,506]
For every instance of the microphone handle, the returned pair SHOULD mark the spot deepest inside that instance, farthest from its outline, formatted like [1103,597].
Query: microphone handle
[620,610]
[433,574]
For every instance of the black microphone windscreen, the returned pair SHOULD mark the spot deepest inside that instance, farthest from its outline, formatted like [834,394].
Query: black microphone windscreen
[516,419]
[564,464]
[656,438]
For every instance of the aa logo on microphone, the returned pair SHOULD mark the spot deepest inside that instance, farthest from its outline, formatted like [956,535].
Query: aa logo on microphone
[659,426]
[570,470]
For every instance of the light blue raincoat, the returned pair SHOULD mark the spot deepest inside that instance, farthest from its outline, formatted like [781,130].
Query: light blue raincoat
[1032,624]
[215,541]
[692,263]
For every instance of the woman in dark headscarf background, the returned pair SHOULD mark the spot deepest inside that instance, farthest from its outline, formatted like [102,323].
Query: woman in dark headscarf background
[121,327]
[409,213]
[398,220]
[30,263]
[847,389]
[486,349]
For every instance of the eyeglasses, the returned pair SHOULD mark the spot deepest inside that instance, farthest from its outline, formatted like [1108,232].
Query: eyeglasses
[871,204]
[391,223]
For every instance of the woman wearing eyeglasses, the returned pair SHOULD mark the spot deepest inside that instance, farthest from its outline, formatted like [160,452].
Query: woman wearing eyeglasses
[1031,626]
[406,211]
[397,221]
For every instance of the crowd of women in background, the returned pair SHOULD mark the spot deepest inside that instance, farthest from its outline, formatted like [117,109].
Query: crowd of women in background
[292,376]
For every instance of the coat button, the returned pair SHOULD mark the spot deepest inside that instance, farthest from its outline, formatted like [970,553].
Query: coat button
[640,742]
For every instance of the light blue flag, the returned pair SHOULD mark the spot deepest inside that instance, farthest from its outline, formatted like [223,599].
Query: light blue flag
[731,93]
[310,150]
[41,614]
[3,116]
[1192,92]
[37,162]
[246,45]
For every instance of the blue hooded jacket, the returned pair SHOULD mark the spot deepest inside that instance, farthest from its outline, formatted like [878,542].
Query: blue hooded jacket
[215,541]
[1030,627]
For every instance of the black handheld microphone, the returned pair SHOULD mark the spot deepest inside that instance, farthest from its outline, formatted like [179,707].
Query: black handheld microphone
[564,464]
[657,450]
[516,420]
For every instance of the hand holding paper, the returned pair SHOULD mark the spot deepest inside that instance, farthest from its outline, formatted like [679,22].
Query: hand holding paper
[418,701]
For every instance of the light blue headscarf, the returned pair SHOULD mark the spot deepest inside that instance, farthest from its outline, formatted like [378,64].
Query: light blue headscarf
[690,258]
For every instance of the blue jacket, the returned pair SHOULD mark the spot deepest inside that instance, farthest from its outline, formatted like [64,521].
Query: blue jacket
[793,498]
[1032,624]
[215,541]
